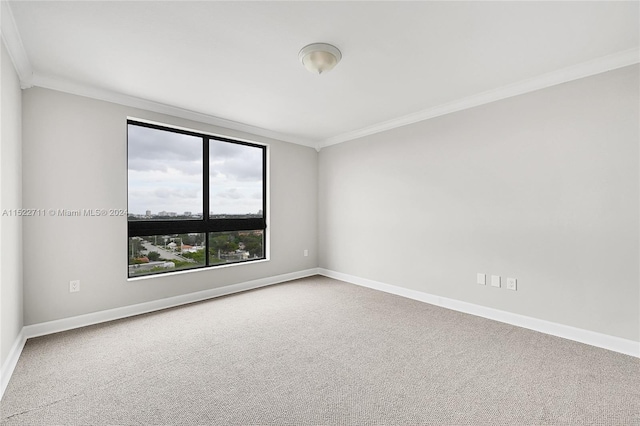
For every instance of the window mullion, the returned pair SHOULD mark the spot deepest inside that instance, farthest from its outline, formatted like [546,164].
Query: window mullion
[206,194]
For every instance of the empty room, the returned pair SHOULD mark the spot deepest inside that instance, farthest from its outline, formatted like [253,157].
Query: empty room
[320,213]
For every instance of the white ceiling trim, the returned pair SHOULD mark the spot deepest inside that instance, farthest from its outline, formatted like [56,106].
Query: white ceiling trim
[29,78]
[134,102]
[585,69]
[15,48]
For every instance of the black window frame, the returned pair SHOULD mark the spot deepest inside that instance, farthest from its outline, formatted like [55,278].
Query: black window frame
[205,224]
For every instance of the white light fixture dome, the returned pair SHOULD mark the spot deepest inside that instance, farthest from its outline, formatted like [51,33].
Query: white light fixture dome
[319,57]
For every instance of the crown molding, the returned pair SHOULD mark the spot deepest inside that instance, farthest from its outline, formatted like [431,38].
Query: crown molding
[28,78]
[575,72]
[74,88]
[15,48]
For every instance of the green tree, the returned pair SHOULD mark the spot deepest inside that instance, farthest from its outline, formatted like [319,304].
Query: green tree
[136,249]
[253,244]
[153,256]
[198,256]
[226,242]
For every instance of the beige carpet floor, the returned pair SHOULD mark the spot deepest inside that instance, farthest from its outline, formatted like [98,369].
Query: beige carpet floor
[317,352]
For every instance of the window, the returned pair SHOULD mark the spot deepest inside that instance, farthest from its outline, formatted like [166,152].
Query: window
[195,200]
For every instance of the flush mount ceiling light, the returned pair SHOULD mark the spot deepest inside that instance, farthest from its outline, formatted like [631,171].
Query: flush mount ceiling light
[319,57]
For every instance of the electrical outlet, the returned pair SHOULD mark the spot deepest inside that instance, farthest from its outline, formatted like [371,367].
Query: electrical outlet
[495,280]
[306,252]
[74,286]
[512,284]
[481,279]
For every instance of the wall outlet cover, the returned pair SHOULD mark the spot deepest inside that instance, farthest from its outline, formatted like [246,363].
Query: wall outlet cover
[512,284]
[481,279]
[495,280]
[74,286]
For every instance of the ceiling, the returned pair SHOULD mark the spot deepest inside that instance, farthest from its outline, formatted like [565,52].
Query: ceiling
[238,61]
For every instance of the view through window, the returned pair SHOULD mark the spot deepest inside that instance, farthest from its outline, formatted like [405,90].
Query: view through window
[194,200]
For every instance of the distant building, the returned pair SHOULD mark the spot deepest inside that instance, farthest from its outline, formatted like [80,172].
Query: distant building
[187,213]
[234,256]
[148,213]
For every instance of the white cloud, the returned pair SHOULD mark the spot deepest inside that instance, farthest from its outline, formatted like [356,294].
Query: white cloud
[165,174]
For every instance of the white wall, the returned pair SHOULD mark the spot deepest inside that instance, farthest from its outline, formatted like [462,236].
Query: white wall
[75,157]
[543,187]
[10,198]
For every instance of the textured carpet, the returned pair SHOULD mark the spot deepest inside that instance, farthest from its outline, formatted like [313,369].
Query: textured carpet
[317,352]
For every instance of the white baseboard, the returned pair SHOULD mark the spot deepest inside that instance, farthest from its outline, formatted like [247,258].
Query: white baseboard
[65,324]
[12,360]
[616,344]
[628,347]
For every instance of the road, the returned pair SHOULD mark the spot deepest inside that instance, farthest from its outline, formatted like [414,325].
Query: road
[165,254]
